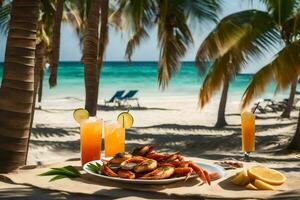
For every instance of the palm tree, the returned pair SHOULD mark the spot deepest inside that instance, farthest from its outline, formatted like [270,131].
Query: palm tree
[282,69]
[17,88]
[56,42]
[90,55]
[236,40]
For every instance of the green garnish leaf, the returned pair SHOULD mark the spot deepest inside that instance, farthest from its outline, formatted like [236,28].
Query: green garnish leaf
[96,168]
[64,172]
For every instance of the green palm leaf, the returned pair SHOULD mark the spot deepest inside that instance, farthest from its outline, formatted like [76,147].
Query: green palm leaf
[258,34]
[281,10]
[174,37]
[246,26]
[138,17]
[64,172]
[282,69]
[4,18]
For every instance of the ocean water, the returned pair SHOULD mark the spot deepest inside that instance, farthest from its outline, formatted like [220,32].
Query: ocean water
[141,76]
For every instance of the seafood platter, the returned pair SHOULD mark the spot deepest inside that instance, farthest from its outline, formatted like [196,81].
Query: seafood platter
[144,165]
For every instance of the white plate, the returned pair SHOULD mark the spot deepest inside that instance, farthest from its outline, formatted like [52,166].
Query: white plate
[206,166]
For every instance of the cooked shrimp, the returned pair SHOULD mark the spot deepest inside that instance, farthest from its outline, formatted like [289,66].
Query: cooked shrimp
[157,156]
[183,171]
[143,150]
[159,173]
[107,171]
[126,174]
[145,166]
[120,157]
[132,162]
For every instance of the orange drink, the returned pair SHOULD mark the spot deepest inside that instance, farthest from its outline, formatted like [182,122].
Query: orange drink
[114,136]
[90,139]
[248,131]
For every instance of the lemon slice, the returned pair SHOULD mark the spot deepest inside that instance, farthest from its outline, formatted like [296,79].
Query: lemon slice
[80,114]
[125,119]
[266,175]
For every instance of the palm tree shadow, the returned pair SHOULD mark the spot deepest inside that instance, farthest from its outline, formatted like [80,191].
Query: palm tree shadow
[44,130]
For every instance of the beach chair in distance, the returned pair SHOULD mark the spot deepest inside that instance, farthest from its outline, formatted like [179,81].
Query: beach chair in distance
[130,97]
[115,98]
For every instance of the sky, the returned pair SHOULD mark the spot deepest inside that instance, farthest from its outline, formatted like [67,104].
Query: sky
[148,51]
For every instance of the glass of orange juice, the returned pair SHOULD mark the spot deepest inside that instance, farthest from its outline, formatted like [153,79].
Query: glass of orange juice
[248,133]
[114,137]
[90,139]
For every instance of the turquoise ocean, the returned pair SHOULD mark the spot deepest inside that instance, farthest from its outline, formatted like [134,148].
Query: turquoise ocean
[141,76]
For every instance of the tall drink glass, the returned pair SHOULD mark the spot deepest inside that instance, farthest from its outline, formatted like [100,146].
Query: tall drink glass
[90,139]
[248,134]
[114,138]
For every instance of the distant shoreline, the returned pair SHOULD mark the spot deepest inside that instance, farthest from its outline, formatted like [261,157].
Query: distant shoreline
[137,62]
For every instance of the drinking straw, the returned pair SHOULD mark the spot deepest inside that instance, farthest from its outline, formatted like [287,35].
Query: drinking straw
[253,111]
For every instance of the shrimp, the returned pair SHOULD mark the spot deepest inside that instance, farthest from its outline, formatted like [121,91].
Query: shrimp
[120,157]
[126,174]
[183,171]
[147,165]
[132,162]
[142,150]
[159,173]
[107,171]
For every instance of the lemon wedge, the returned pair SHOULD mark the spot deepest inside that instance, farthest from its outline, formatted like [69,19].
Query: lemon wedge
[266,175]
[125,119]
[241,178]
[261,185]
[250,186]
[80,115]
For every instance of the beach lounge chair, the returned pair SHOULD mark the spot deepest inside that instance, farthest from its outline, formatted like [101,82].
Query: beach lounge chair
[115,98]
[130,97]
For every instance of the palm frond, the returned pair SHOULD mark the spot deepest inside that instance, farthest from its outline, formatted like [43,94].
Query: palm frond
[135,41]
[214,79]
[282,69]
[281,10]
[244,25]
[199,11]
[249,47]
[174,37]
[291,27]
[4,18]
[136,17]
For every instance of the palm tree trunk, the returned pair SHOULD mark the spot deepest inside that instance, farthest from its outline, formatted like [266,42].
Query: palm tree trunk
[40,91]
[90,58]
[103,40]
[56,42]
[17,89]
[221,122]
[295,142]
[38,63]
[286,113]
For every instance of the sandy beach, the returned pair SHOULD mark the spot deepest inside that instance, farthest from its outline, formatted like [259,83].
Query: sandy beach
[171,124]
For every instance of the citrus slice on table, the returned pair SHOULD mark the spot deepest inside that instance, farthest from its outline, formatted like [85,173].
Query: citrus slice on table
[125,119]
[80,115]
[266,175]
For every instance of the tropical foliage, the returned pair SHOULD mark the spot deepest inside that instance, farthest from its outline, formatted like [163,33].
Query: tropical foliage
[173,20]
[237,39]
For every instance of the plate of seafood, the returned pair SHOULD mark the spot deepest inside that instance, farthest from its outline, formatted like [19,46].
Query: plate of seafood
[145,166]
